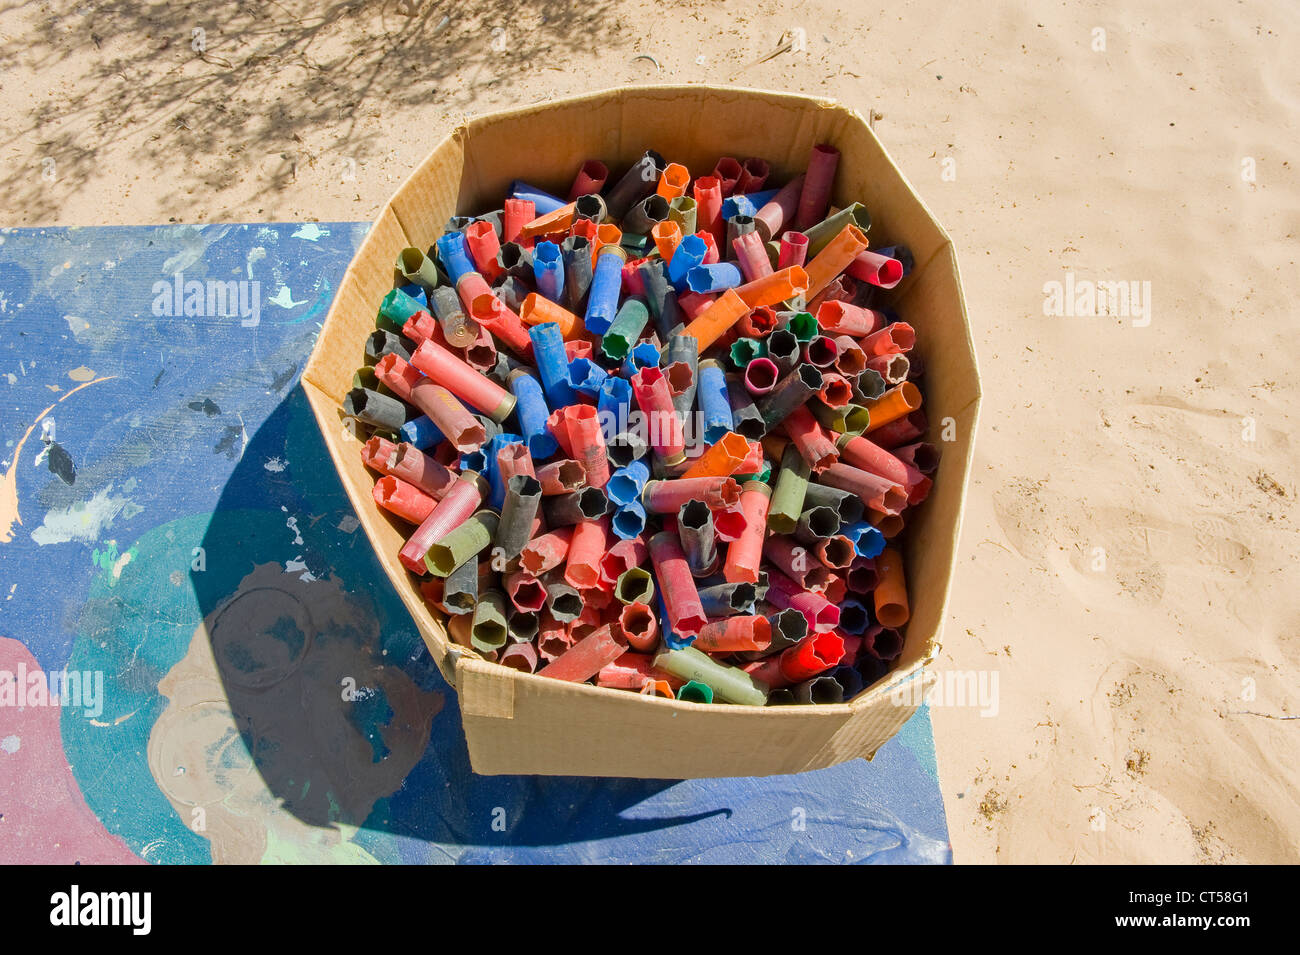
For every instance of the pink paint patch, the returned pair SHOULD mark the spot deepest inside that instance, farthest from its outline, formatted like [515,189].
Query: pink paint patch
[45,819]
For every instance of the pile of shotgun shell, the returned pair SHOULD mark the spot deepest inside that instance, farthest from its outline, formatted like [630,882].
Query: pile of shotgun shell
[660,436]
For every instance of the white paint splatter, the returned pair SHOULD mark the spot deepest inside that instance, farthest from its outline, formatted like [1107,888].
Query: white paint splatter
[10,744]
[297,564]
[275,465]
[85,520]
[48,435]
[243,436]
[196,240]
[255,254]
[292,523]
[311,232]
[120,564]
[78,326]
[284,298]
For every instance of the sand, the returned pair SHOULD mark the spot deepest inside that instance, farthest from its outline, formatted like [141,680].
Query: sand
[1127,561]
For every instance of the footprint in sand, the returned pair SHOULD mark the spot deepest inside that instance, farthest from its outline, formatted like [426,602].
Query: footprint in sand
[1064,536]
[1107,553]
[1020,512]
[1216,547]
[1186,767]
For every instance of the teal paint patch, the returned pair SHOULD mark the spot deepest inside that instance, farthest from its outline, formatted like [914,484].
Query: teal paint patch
[319,306]
[134,628]
[917,735]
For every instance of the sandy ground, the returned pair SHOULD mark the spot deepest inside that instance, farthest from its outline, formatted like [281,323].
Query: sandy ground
[1127,562]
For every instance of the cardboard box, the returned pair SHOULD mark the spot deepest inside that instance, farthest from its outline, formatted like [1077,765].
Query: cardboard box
[525,723]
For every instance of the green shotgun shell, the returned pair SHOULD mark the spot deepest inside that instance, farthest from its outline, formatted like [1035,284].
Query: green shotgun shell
[488,629]
[417,268]
[639,246]
[365,377]
[745,350]
[787,497]
[635,585]
[625,329]
[820,235]
[462,544]
[693,691]
[762,477]
[396,308]
[850,420]
[682,211]
[727,682]
[801,324]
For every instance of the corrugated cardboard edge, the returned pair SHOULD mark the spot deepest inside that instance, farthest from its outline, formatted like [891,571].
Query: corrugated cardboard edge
[489,692]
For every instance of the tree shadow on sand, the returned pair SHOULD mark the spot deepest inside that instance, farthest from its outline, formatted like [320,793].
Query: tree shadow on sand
[241,84]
